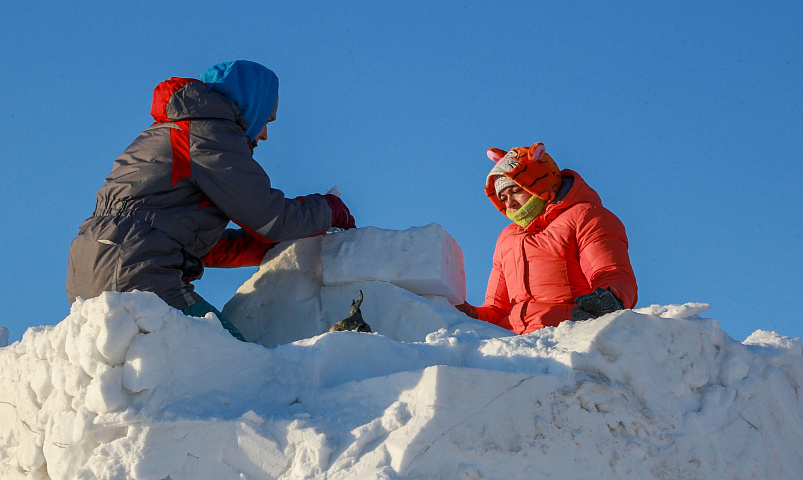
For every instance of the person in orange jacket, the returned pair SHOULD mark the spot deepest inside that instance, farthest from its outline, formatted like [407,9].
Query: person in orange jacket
[564,257]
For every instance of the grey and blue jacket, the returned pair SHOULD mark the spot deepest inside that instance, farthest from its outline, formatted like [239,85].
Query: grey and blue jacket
[162,213]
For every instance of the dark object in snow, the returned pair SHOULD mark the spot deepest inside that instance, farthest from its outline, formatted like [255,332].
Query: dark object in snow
[595,304]
[354,321]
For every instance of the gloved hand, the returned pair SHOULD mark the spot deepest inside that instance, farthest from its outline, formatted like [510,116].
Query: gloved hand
[595,304]
[341,217]
[468,310]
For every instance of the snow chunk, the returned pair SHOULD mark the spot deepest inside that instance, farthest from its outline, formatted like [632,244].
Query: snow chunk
[281,303]
[115,326]
[687,310]
[424,260]
[774,340]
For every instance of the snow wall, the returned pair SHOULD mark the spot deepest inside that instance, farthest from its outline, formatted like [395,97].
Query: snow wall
[410,279]
[127,387]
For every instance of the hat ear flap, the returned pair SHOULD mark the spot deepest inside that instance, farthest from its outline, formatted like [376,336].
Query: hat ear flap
[495,154]
[537,151]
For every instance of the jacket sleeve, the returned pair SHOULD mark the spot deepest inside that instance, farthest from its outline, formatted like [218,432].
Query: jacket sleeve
[237,248]
[496,307]
[223,168]
[602,244]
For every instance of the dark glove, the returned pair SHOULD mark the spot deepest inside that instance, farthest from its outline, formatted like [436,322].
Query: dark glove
[468,310]
[595,304]
[341,217]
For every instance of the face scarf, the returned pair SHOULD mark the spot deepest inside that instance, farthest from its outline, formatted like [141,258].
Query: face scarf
[527,213]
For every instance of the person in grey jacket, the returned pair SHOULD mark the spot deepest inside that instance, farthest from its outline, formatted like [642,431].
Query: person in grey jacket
[162,213]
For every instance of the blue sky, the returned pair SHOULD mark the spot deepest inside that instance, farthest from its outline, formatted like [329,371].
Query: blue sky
[685,117]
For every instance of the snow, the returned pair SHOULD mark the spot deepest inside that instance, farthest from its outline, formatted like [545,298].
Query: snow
[424,260]
[409,280]
[127,387]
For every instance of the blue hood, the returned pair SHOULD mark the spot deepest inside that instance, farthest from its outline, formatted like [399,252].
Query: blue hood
[251,86]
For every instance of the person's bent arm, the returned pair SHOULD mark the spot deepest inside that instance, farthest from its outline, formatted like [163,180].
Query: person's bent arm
[237,248]
[225,171]
[604,259]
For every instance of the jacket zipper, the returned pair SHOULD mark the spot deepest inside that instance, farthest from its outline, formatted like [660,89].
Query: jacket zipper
[526,267]
[526,279]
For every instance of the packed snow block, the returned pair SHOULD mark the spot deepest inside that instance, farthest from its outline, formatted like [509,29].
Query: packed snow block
[3,336]
[281,302]
[424,260]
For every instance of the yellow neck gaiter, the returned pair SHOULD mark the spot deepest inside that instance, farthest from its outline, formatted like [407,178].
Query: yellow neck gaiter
[527,213]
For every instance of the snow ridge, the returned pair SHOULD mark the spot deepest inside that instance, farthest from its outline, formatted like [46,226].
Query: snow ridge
[126,387]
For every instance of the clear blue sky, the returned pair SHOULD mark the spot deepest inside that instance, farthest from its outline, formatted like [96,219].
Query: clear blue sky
[684,116]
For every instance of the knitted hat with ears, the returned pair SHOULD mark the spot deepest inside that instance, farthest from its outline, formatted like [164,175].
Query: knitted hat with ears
[531,168]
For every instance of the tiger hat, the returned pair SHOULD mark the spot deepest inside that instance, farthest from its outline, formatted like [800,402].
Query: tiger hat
[531,168]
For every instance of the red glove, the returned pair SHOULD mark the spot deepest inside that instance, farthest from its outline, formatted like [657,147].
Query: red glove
[341,217]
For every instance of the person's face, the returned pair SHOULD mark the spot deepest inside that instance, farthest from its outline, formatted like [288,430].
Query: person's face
[263,134]
[513,197]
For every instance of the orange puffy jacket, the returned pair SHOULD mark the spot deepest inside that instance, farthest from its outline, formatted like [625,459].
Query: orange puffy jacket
[574,247]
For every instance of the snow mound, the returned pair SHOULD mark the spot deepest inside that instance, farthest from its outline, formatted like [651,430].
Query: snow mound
[127,387]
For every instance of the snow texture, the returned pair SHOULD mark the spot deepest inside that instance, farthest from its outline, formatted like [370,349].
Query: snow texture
[424,260]
[126,387]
